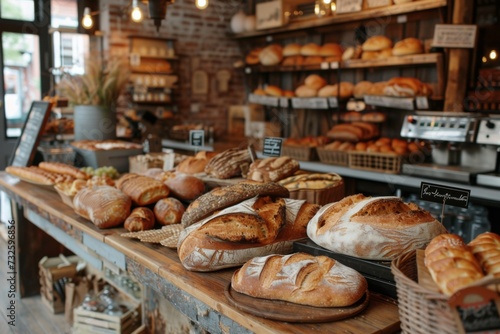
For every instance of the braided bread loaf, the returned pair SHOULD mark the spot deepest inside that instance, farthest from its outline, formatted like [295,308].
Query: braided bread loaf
[451,263]
[300,278]
[486,249]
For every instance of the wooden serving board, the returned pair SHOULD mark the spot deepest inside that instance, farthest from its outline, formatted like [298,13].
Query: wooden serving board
[291,312]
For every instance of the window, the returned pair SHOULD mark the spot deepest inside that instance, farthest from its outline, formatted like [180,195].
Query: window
[23,10]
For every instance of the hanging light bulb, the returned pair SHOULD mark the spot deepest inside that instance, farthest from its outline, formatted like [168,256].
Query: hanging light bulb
[87,21]
[493,54]
[136,13]
[201,4]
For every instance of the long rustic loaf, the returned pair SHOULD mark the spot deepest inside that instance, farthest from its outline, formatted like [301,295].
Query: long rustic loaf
[142,190]
[451,263]
[229,163]
[300,278]
[375,228]
[255,227]
[220,198]
[486,249]
[105,206]
[272,169]
[62,168]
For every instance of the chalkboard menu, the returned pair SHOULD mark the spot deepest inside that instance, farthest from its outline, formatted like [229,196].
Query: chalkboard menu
[28,141]
[272,146]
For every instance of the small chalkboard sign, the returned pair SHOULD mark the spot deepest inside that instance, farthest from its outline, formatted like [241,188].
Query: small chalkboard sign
[197,137]
[476,310]
[30,136]
[272,146]
[446,195]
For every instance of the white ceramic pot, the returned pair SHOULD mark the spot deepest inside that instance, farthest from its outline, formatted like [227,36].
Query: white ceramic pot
[238,22]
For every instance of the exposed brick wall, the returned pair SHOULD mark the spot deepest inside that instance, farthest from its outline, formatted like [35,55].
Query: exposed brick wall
[200,35]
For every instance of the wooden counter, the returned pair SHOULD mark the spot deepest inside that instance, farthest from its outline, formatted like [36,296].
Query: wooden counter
[198,295]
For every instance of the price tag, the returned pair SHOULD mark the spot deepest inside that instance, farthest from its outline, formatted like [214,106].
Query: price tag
[284,102]
[272,146]
[310,103]
[447,195]
[324,65]
[405,103]
[348,6]
[334,65]
[402,19]
[196,137]
[476,310]
[333,102]
[422,102]
[455,36]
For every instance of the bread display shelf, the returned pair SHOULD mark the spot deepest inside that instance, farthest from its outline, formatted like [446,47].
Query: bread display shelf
[303,153]
[405,103]
[295,102]
[366,14]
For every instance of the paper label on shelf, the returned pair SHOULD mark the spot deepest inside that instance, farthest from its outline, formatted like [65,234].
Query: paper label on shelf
[333,102]
[284,102]
[405,103]
[349,6]
[264,100]
[334,65]
[402,19]
[422,102]
[455,35]
[272,146]
[445,195]
[324,65]
[310,103]
[378,3]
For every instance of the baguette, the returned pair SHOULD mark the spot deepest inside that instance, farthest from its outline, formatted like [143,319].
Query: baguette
[38,175]
[486,249]
[451,263]
[300,278]
[62,168]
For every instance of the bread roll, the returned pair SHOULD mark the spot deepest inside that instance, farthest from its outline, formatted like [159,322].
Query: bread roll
[486,249]
[300,278]
[313,60]
[253,57]
[377,88]
[168,211]
[314,81]
[345,132]
[351,116]
[105,206]
[272,90]
[407,46]
[195,164]
[384,54]
[377,43]
[140,219]
[271,55]
[310,49]
[368,55]
[352,52]
[374,228]
[305,91]
[288,93]
[343,90]
[331,50]
[361,88]
[142,190]
[272,169]
[451,263]
[259,91]
[293,61]
[185,187]
[256,227]
[220,198]
[292,49]
[403,87]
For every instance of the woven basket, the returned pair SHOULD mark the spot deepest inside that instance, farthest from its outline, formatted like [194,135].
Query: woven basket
[374,161]
[339,158]
[300,153]
[320,196]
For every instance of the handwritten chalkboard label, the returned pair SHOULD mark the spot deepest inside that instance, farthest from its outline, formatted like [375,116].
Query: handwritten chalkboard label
[272,146]
[349,6]
[476,310]
[33,127]
[447,195]
[454,36]
[196,137]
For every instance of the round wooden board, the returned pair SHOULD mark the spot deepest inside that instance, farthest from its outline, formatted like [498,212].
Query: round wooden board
[291,312]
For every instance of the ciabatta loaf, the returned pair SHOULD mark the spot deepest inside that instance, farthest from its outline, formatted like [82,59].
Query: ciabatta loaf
[300,278]
[255,227]
[375,228]
[105,206]
[451,263]
[486,249]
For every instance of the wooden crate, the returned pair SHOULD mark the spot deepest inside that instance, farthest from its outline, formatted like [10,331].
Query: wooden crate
[50,271]
[89,322]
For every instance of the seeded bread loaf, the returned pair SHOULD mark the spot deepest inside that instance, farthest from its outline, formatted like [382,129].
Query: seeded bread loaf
[220,198]
[300,278]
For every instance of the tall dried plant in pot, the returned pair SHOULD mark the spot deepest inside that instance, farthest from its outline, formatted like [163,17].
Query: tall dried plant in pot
[94,96]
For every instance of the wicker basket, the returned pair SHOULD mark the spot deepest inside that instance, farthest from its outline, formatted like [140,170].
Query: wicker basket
[300,153]
[320,196]
[377,162]
[339,158]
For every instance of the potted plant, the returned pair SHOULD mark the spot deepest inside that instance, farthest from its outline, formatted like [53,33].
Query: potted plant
[94,97]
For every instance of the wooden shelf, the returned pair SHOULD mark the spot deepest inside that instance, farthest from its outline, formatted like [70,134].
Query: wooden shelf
[367,14]
[174,58]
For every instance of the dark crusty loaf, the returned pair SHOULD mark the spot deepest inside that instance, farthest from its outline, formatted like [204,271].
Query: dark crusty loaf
[272,169]
[302,279]
[223,197]
[142,190]
[230,163]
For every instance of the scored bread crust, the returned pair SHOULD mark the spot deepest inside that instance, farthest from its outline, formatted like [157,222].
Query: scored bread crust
[375,228]
[486,249]
[222,197]
[272,169]
[300,278]
[143,190]
[62,168]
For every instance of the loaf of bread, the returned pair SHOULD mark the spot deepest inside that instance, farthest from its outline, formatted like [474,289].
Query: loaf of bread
[141,189]
[105,206]
[361,88]
[273,90]
[271,55]
[292,49]
[377,43]
[333,51]
[486,249]
[168,211]
[305,91]
[342,90]
[255,227]
[311,181]
[185,187]
[272,169]
[140,219]
[195,164]
[403,87]
[252,57]
[310,49]
[407,46]
[451,263]
[300,278]
[229,163]
[220,198]
[313,60]
[314,81]
[352,52]
[38,175]
[62,168]
[374,228]
[293,61]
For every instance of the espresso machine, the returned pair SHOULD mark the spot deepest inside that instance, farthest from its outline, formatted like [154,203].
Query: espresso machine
[455,154]
[489,135]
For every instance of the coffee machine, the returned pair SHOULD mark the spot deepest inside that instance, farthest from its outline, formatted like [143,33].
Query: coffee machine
[455,154]
[489,135]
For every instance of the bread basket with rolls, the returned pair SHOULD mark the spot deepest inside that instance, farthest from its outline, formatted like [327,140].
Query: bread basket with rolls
[428,280]
[317,188]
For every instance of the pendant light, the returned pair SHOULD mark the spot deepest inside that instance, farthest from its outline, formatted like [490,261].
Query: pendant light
[87,21]
[136,14]
[201,4]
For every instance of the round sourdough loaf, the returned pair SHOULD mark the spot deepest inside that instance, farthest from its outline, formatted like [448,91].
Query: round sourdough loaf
[377,43]
[271,55]
[374,228]
[407,46]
